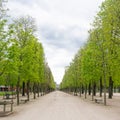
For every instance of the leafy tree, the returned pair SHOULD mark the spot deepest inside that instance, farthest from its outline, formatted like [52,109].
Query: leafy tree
[98,60]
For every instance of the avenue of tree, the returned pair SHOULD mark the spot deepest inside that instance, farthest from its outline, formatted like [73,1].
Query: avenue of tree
[22,60]
[96,66]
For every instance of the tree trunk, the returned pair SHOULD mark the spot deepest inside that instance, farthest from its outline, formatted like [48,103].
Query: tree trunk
[18,90]
[105,84]
[28,90]
[94,89]
[110,89]
[86,92]
[100,86]
[41,90]
[34,91]
[12,92]
[92,92]
[82,89]
[23,89]
[89,89]
[38,90]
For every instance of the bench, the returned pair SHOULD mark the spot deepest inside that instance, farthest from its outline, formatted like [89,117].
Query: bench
[24,99]
[98,100]
[4,103]
[9,96]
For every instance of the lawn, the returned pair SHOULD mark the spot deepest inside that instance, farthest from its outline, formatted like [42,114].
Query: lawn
[7,92]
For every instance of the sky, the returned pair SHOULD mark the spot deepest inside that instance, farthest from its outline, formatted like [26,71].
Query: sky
[62,27]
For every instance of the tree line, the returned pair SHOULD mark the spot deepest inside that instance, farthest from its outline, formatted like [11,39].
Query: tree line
[96,66]
[23,66]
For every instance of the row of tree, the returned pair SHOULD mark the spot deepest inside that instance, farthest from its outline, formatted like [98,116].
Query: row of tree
[22,60]
[96,66]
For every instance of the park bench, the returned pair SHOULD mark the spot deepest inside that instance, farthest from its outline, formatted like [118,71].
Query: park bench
[24,99]
[4,103]
[98,100]
[8,96]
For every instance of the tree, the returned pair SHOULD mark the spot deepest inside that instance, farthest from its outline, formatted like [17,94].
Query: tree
[3,36]
[99,58]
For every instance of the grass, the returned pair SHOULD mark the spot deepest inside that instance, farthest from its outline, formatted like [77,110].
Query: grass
[7,92]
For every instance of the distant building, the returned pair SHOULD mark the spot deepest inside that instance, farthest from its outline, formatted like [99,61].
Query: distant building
[4,88]
[57,86]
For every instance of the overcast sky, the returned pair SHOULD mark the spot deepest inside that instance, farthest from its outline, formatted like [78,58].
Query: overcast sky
[62,27]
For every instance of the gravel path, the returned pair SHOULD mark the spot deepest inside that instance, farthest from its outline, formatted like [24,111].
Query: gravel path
[61,106]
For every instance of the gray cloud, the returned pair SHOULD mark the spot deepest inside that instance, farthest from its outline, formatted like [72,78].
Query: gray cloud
[63,38]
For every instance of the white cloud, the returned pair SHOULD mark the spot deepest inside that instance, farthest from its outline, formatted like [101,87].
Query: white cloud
[62,25]
[57,60]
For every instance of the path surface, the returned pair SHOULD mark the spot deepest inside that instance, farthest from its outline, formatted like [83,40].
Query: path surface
[61,106]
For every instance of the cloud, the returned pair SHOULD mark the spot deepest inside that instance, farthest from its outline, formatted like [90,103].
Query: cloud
[57,58]
[68,37]
[62,27]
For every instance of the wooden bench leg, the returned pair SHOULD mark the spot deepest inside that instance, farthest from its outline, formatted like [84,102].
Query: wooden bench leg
[11,107]
[4,108]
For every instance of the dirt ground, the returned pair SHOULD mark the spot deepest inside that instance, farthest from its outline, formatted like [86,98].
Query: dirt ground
[61,106]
